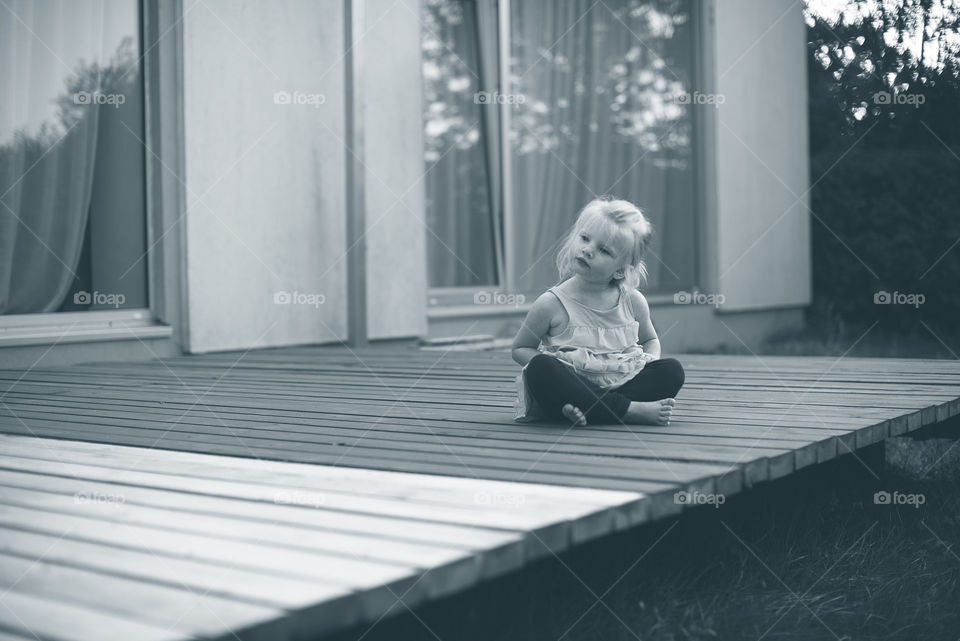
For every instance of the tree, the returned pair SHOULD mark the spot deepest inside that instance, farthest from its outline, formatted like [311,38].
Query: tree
[889,66]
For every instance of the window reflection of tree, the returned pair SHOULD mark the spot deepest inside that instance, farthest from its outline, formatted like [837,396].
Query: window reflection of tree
[637,87]
[46,179]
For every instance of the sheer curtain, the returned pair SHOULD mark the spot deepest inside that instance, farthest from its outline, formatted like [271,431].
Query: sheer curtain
[48,139]
[461,146]
[601,114]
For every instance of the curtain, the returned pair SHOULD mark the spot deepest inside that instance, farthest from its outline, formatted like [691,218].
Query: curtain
[487,29]
[461,174]
[49,112]
[600,115]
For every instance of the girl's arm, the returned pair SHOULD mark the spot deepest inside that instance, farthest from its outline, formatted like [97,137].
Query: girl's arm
[646,333]
[534,327]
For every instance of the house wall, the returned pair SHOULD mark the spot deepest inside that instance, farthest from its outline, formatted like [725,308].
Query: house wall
[265,182]
[392,122]
[266,194]
[762,220]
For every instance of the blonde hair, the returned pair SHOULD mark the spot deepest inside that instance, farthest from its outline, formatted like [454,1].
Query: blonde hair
[611,219]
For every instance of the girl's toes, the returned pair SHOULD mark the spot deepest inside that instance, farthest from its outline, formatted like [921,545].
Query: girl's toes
[668,401]
[574,415]
[666,411]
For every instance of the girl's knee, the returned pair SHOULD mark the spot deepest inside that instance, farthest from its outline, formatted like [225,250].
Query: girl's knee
[673,371]
[540,364]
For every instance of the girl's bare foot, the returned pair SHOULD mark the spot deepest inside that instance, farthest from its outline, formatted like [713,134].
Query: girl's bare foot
[574,415]
[650,412]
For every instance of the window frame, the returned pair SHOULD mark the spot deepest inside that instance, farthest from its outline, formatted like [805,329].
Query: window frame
[161,42]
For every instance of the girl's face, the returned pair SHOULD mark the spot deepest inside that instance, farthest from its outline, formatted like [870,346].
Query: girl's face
[597,255]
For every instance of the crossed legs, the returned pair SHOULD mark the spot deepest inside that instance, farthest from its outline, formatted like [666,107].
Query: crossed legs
[647,398]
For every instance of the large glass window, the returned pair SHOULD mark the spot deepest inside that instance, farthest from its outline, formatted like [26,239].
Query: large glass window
[598,102]
[72,193]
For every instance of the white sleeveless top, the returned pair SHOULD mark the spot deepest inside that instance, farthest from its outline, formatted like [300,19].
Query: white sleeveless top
[599,345]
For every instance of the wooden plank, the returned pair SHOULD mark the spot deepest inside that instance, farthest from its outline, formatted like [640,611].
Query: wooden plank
[235,583]
[183,612]
[27,509]
[38,617]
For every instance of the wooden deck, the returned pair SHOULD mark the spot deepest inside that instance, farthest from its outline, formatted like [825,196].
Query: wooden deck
[282,494]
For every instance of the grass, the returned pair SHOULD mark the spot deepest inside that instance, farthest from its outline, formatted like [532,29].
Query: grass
[808,557]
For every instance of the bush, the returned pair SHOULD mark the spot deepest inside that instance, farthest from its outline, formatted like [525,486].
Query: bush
[886,220]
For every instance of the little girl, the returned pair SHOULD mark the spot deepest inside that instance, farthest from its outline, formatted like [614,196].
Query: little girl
[589,351]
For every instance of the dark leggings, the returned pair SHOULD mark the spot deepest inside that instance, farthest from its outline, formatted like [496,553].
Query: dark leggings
[554,384]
